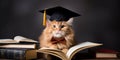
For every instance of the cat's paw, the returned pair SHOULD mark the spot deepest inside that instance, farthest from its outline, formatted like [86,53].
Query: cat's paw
[44,47]
[64,50]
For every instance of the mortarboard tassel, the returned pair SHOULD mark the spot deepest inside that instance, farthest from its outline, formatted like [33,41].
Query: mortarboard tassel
[44,18]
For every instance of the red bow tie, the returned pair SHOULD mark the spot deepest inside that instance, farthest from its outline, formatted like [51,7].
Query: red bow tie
[55,41]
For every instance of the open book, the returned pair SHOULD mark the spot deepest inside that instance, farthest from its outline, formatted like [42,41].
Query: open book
[17,39]
[71,52]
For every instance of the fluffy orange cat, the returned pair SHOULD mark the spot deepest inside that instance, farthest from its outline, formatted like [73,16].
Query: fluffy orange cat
[57,35]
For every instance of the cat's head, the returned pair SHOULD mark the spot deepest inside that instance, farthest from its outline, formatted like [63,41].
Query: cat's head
[59,29]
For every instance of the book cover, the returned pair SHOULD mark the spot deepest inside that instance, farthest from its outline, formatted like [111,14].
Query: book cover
[18,54]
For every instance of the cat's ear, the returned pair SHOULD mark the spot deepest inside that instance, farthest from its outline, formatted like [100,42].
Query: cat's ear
[48,22]
[70,21]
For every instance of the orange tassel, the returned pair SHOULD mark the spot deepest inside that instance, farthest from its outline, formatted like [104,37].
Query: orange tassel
[44,18]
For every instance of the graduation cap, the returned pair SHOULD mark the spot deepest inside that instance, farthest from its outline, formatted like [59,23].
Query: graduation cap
[58,13]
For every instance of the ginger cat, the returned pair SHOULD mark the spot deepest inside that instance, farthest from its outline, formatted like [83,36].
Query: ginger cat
[57,35]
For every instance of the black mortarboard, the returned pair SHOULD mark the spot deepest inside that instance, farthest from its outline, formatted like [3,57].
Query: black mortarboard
[59,13]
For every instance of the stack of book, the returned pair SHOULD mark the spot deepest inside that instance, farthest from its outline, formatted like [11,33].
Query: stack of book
[19,48]
[106,53]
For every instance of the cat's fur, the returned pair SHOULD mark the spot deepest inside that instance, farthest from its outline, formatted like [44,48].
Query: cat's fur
[60,31]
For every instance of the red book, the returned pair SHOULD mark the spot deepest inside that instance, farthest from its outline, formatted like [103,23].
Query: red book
[106,53]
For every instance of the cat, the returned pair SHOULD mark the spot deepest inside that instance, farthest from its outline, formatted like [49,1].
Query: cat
[58,35]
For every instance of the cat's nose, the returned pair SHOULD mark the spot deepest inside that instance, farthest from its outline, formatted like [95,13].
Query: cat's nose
[58,32]
[58,29]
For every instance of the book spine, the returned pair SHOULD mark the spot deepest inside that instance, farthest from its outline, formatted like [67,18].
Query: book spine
[12,54]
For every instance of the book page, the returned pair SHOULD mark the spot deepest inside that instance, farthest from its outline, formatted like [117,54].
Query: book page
[54,52]
[73,50]
[7,41]
[23,39]
[18,46]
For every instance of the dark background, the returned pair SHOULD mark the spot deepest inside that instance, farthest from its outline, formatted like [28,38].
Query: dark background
[98,23]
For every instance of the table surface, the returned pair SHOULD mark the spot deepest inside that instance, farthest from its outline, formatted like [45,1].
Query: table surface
[78,59]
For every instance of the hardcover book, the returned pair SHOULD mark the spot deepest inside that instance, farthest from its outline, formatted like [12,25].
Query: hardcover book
[106,53]
[18,54]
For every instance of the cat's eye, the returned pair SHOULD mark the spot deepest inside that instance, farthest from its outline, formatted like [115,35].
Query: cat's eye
[62,26]
[54,26]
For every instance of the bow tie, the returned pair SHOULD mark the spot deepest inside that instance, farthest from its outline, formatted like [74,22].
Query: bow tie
[55,41]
